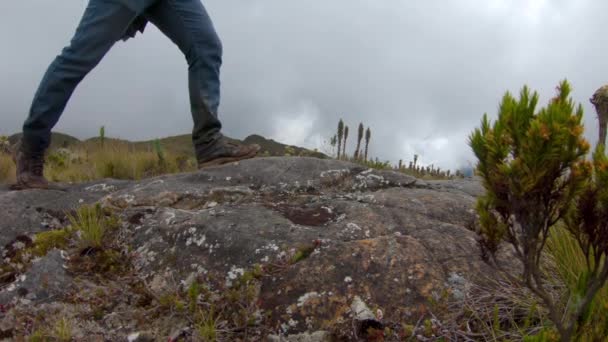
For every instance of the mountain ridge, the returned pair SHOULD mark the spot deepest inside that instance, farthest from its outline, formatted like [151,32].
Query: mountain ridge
[182,144]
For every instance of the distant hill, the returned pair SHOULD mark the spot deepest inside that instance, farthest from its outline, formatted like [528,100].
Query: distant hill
[273,148]
[182,145]
[58,140]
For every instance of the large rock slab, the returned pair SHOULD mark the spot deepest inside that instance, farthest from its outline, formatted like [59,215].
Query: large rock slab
[328,236]
[33,211]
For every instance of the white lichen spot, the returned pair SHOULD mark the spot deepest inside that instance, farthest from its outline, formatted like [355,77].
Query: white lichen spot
[201,239]
[228,179]
[331,173]
[100,187]
[170,218]
[348,279]
[128,198]
[352,226]
[18,245]
[306,297]
[309,322]
[133,337]
[151,255]
[233,274]
[201,270]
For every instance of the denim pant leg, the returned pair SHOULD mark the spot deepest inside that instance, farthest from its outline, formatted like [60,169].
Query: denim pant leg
[188,25]
[102,24]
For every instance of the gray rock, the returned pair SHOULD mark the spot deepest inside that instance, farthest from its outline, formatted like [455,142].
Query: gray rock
[326,231]
[45,281]
[317,336]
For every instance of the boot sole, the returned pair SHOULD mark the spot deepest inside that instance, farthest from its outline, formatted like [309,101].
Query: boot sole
[226,160]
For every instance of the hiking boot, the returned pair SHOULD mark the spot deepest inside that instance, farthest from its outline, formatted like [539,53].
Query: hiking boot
[30,168]
[222,151]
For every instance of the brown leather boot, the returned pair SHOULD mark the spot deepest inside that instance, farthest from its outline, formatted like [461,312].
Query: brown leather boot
[30,167]
[223,151]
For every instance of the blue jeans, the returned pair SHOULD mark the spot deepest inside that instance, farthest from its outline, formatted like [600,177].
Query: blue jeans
[104,22]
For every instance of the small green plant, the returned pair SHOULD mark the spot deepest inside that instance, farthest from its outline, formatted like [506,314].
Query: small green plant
[92,223]
[193,292]
[63,330]
[368,136]
[344,156]
[59,159]
[160,154]
[359,138]
[102,136]
[4,145]
[46,241]
[290,151]
[38,336]
[302,253]
[340,135]
[428,328]
[206,326]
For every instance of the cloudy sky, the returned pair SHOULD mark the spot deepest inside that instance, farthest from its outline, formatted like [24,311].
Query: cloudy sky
[420,73]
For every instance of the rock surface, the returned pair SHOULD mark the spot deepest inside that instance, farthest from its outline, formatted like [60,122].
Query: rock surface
[321,237]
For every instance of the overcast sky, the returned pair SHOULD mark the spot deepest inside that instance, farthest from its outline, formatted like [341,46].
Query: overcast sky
[420,73]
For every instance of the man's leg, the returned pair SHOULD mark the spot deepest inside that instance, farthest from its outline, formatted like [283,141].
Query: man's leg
[188,25]
[103,23]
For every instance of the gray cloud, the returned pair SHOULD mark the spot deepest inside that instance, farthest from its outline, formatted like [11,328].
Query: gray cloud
[421,74]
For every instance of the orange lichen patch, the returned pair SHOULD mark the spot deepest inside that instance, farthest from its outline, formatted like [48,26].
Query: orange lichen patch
[426,290]
[368,243]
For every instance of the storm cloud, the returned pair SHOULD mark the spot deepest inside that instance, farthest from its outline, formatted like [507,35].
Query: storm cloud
[419,73]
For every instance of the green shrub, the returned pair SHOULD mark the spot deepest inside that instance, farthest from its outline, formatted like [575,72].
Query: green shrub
[533,168]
